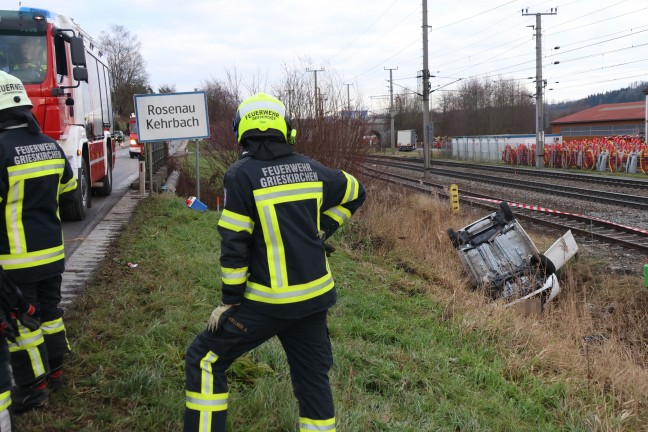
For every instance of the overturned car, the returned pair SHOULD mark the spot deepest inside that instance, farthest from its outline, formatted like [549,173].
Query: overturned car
[501,258]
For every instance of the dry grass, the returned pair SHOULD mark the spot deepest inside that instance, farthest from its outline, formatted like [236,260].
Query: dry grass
[594,337]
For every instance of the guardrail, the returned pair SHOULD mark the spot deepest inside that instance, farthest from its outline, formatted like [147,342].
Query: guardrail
[155,158]
[158,151]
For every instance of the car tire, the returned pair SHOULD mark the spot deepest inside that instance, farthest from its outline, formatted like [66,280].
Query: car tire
[454,238]
[507,212]
[542,265]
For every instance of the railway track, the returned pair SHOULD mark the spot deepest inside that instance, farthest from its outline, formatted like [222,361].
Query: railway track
[584,193]
[584,227]
[508,169]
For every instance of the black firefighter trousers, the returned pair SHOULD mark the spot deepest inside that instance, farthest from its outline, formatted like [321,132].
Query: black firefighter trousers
[33,358]
[308,350]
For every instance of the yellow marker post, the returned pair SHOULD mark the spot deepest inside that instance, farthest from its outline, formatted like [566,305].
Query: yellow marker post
[454,198]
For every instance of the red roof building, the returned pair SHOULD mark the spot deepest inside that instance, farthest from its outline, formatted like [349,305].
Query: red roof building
[604,120]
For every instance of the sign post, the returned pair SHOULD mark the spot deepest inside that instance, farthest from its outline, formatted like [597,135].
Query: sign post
[172,116]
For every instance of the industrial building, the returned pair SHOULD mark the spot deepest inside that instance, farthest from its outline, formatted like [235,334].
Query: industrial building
[604,120]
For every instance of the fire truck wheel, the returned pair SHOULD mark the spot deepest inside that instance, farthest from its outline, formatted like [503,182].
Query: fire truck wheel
[106,189]
[76,210]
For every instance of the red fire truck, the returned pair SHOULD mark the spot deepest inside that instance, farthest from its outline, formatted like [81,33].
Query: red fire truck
[69,86]
[135,148]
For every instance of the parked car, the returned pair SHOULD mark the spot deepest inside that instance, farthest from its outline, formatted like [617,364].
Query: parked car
[501,258]
[119,137]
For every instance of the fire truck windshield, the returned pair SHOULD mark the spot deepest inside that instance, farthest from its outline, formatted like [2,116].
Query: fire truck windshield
[133,126]
[24,55]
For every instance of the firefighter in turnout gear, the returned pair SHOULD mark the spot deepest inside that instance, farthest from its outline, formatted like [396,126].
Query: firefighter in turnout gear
[34,174]
[14,309]
[280,206]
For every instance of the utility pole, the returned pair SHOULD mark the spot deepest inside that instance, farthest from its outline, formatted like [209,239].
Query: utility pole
[539,86]
[426,91]
[348,99]
[391,111]
[315,104]
[290,93]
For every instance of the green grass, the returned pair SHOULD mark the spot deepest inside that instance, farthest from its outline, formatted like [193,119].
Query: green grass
[400,363]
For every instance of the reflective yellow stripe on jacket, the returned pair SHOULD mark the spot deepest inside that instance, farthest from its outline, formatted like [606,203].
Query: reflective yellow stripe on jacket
[339,213]
[236,222]
[31,259]
[291,293]
[67,187]
[234,276]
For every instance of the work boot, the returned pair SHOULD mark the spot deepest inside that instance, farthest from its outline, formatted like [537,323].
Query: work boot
[56,380]
[28,398]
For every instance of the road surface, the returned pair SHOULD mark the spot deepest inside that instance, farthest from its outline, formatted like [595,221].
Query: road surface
[126,171]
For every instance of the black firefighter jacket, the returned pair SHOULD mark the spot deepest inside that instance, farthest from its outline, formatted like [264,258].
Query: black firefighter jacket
[33,173]
[271,253]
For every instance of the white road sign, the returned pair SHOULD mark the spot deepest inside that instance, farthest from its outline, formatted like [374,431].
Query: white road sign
[171,116]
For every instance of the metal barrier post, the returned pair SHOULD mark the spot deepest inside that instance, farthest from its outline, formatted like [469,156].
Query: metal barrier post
[142,176]
[149,155]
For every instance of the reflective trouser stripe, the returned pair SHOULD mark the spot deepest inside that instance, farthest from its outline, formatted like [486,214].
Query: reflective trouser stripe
[53,327]
[26,339]
[309,425]
[5,400]
[29,342]
[206,402]
[5,419]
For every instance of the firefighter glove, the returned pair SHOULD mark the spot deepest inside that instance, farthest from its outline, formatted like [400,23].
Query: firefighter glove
[218,316]
[327,247]
[26,317]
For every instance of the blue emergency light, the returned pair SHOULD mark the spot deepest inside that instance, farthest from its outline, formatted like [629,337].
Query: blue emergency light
[37,11]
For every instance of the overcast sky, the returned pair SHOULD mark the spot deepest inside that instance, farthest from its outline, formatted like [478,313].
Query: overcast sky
[603,43]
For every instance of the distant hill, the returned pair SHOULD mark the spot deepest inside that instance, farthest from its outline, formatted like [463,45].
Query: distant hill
[632,93]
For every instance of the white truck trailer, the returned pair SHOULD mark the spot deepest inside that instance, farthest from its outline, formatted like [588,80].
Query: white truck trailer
[406,140]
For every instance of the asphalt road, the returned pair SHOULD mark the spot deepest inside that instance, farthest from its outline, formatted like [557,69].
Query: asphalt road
[125,172]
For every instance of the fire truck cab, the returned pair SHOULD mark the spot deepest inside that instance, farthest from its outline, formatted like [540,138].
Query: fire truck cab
[69,86]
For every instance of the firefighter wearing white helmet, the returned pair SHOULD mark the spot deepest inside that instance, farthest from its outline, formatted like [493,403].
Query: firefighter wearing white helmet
[280,206]
[34,173]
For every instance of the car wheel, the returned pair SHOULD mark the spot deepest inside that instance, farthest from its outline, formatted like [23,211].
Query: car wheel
[454,238]
[506,211]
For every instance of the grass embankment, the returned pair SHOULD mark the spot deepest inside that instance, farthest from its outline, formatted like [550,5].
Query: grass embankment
[414,350]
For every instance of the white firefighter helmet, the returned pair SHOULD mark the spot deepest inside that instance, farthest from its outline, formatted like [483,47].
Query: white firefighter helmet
[12,92]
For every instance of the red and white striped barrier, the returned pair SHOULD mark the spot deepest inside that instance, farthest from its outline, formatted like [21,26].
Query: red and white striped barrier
[547,210]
